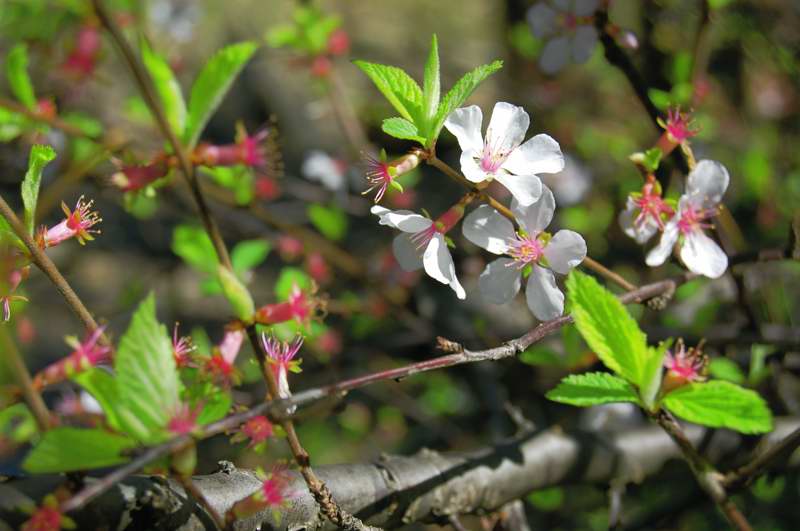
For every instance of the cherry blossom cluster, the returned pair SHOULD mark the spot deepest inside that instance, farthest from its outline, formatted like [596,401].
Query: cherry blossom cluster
[531,252]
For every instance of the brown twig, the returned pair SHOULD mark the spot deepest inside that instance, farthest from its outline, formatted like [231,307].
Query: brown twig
[23,378]
[148,93]
[744,475]
[53,121]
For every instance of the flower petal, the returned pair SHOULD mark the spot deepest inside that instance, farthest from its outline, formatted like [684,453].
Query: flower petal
[406,252]
[405,220]
[439,265]
[319,166]
[585,8]
[555,55]
[544,298]
[703,256]
[584,41]
[507,127]
[565,250]
[488,228]
[660,252]
[540,154]
[708,180]
[542,20]
[640,233]
[537,216]
[500,281]
[465,124]
[526,189]
[471,170]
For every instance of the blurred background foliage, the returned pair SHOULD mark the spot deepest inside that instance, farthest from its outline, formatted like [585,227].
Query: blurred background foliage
[741,82]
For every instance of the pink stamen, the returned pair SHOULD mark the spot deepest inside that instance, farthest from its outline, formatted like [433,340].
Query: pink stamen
[652,205]
[680,126]
[378,176]
[691,219]
[525,250]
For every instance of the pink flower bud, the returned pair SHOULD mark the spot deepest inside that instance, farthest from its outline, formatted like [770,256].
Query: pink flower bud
[338,42]
[85,356]
[76,224]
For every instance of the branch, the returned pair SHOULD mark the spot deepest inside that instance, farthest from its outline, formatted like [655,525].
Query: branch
[396,491]
[23,378]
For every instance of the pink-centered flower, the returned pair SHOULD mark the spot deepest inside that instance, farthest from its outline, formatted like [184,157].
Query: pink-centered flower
[273,494]
[684,366]
[184,419]
[257,429]
[382,174]
[422,243]
[280,356]
[646,212]
[679,126]
[136,177]
[221,364]
[300,307]
[705,186]
[568,28]
[182,348]
[530,250]
[501,155]
[47,517]
[77,224]
[248,150]
[85,355]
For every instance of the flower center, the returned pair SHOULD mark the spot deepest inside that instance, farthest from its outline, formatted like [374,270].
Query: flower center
[691,219]
[422,238]
[493,156]
[651,206]
[525,250]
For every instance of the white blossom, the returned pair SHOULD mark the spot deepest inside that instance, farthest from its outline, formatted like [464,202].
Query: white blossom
[501,154]
[568,28]
[321,167]
[531,246]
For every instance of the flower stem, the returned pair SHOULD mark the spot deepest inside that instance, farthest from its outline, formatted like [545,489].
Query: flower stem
[23,378]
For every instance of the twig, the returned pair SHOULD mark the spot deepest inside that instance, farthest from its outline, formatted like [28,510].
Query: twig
[149,95]
[743,475]
[348,121]
[278,410]
[53,121]
[448,170]
[47,266]
[23,378]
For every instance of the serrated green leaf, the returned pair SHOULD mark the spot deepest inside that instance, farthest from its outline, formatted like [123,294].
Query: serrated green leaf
[70,449]
[607,327]
[103,387]
[167,86]
[331,221]
[194,246]
[216,404]
[287,279]
[591,389]
[18,78]
[403,129]
[212,84]
[431,86]
[399,88]
[237,294]
[147,378]
[458,95]
[720,404]
[249,254]
[39,157]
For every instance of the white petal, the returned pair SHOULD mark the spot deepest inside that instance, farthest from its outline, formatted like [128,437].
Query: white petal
[320,167]
[507,127]
[709,180]
[584,8]
[405,220]
[526,189]
[584,41]
[555,55]
[660,252]
[640,233]
[542,20]
[565,250]
[471,170]
[465,124]
[406,252]
[703,256]
[537,216]
[540,154]
[544,298]
[500,281]
[439,265]
[488,228]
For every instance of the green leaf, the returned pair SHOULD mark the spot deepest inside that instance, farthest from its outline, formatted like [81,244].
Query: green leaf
[726,369]
[458,95]
[652,373]
[147,378]
[591,389]
[194,246]
[237,294]
[211,86]
[331,221]
[399,88]
[216,405]
[11,125]
[103,387]
[18,78]
[720,404]
[608,328]
[167,86]
[402,128]
[249,254]
[287,279]
[431,86]
[652,159]
[39,157]
[17,424]
[70,449]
